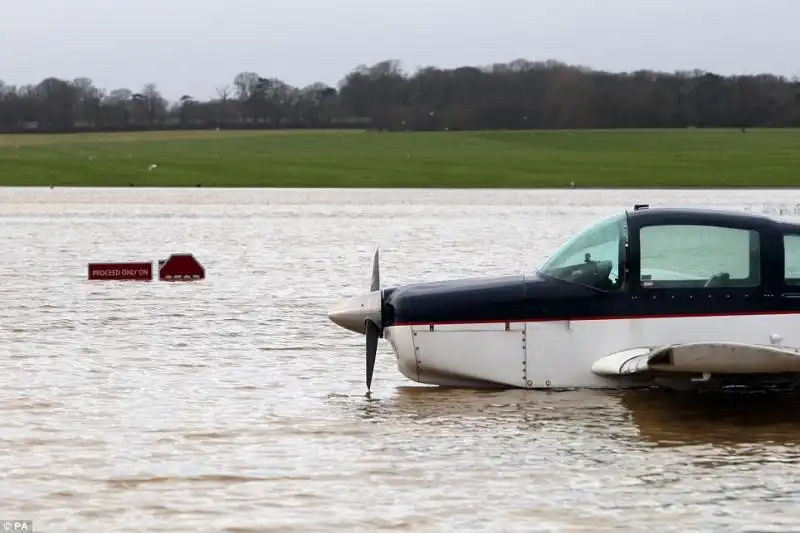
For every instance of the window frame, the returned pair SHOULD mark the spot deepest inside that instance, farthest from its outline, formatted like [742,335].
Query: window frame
[755,257]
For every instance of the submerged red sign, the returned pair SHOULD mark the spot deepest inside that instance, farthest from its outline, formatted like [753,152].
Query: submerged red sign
[181,267]
[121,271]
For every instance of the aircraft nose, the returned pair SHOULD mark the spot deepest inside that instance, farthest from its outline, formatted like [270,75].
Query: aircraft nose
[351,314]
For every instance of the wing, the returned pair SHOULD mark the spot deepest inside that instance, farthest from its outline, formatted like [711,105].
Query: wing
[700,357]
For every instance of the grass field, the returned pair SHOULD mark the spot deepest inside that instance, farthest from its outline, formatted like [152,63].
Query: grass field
[621,158]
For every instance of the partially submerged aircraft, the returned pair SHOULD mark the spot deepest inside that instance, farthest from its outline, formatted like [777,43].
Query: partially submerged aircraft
[677,298]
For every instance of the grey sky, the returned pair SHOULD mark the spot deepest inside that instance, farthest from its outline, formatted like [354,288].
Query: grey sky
[195,46]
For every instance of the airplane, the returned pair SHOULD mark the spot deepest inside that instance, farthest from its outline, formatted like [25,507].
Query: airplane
[663,297]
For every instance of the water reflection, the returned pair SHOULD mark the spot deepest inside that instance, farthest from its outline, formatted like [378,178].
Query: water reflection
[674,419]
[660,418]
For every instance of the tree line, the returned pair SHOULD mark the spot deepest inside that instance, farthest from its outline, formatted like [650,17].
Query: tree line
[517,95]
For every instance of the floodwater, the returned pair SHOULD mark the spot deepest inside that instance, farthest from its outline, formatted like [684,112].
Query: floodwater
[234,405]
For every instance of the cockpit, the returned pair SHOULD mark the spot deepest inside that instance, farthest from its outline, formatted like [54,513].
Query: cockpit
[673,249]
[593,257]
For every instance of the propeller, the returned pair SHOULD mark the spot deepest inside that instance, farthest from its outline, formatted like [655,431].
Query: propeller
[372,329]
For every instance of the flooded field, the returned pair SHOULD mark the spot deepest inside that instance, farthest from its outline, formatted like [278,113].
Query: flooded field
[233,404]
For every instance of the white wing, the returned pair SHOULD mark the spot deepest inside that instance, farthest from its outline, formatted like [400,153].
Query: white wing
[700,357]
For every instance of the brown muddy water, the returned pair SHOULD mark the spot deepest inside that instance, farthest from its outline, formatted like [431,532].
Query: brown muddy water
[233,404]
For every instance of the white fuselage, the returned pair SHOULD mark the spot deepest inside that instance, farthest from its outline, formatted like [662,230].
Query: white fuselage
[560,353]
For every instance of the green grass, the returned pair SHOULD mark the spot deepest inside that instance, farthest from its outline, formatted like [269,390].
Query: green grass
[615,158]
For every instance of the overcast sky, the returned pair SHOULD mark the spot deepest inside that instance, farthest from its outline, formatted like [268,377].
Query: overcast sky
[194,46]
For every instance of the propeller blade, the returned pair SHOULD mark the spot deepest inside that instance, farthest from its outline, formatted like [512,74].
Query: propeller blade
[372,349]
[372,330]
[376,276]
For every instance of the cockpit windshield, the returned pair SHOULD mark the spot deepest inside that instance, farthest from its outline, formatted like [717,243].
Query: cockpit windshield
[592,256]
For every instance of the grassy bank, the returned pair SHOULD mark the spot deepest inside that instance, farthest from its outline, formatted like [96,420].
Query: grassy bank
[623,158]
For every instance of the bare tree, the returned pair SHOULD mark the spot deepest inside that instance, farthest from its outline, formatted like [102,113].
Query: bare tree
[155,104]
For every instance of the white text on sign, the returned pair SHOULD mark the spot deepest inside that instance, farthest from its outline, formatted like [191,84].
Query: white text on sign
[115,272]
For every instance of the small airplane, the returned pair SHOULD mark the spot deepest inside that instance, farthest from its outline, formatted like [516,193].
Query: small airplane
[678,298]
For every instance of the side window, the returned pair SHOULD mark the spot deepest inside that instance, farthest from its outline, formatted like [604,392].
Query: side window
[696,256]
[791,260]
